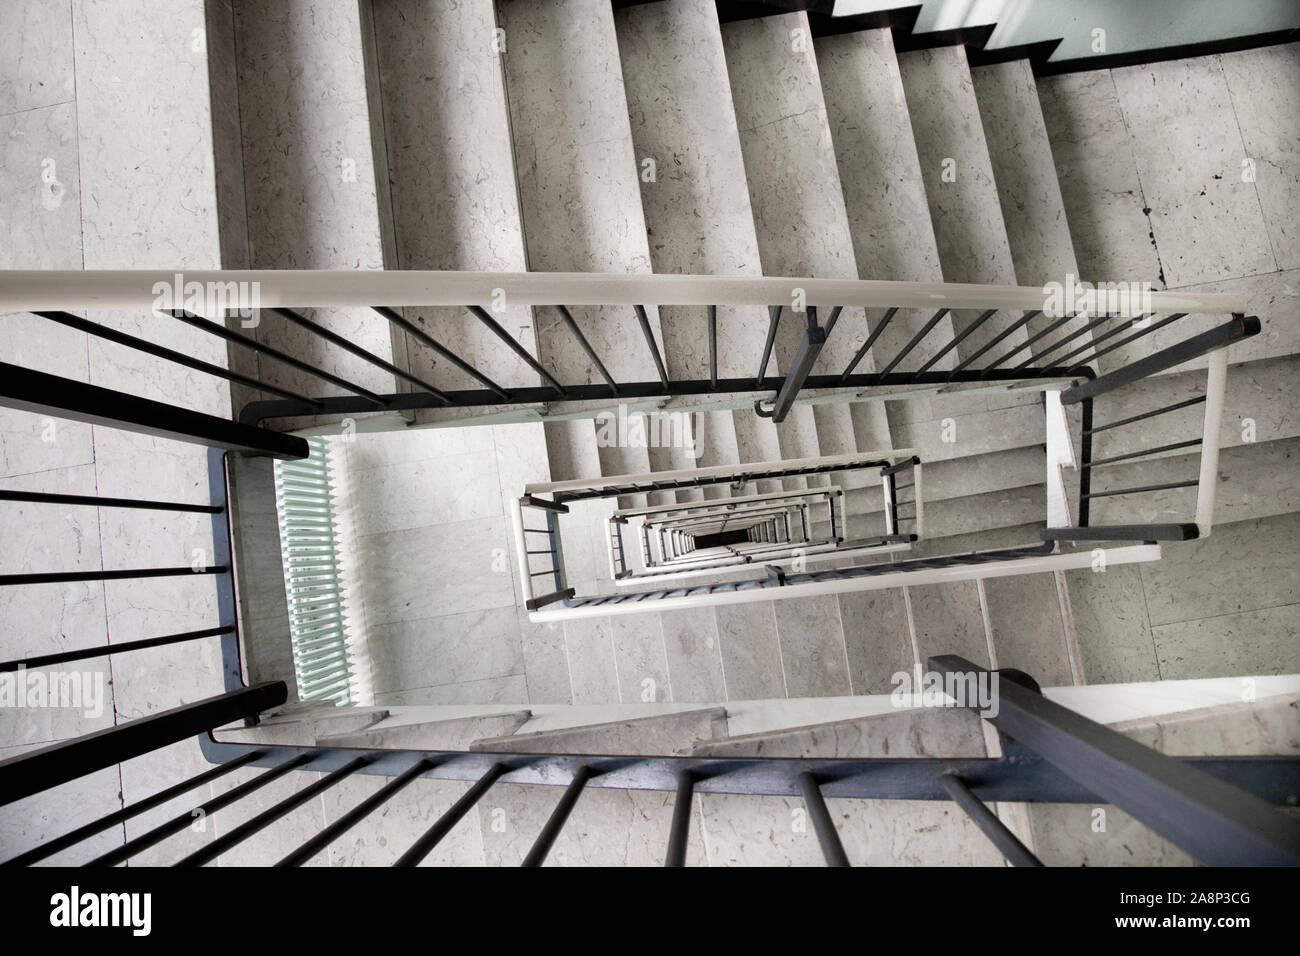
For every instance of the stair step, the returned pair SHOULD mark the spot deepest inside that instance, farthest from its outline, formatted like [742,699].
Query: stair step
[682,119]
[310,191]
[920,732]
[1032,208]
[969,514]
[579,190]
[884,193]
[959,183]
[307,725]
[671,734]
[451,164]
[1027,628]
[451,734]
[801,223]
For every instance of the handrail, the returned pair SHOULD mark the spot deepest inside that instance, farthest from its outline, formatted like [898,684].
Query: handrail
[72,289]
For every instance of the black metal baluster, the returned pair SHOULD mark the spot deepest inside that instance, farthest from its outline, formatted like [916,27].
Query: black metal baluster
[334,338]
[50,847]
[412,329]
[680,829]
[495,327]
[1014,326]
[230,335]
[1128,339]
[63,657]
[420,849]
[44,394]
[866,346]
[925,330]
[711,314]
[1008,843]
[586,347]
[1027,343]
[823,826]
[957,339]
[559,816]
[261,821]
[354,816]
[773,320]
[170,355]
[644,322]
[183,820]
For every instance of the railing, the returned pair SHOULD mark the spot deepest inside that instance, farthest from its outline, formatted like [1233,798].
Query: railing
[1002,315]
[1077,761]
[1219,809]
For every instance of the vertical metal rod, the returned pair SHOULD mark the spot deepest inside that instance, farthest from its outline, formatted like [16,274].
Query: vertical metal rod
[644,321]
[421,336]
[572,326]
[420,849]
[925,330]
[824,827]
[169,355]
[773,320]
[495,328]
[230,335]
[1027,343]
[30,391]
[680,829]
[268,816]
[47,660]
[50,847]
[810,346]
[958,339]
[349,346]
[555,823]
[994,341]
[711,313]
[1128,339]
[866,346]
[1007,843]
[354,816]
[183,820]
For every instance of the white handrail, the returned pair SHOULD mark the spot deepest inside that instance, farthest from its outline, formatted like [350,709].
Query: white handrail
[79,289]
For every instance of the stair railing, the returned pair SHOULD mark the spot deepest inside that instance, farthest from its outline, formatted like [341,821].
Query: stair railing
[1221,810]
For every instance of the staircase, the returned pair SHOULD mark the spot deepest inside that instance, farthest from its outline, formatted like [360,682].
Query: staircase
[534,135]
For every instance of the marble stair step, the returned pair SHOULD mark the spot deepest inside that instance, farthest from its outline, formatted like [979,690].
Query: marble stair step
[884,192]
[307,724]
[1028,628]
[963,435]
[660,734]
[799,215]
[941,480]
[918,732]
[693,194]
[310,191]
[1033,211]
[959,183]
[579,187]
[450,734]
[450,167]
